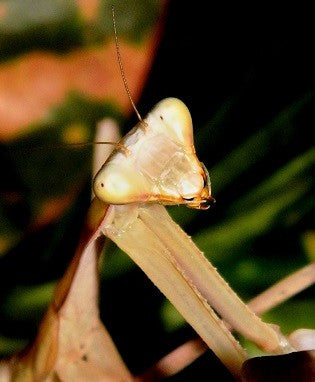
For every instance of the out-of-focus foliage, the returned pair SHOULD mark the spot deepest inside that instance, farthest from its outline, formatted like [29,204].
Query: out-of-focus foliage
[252,117]
[58,78]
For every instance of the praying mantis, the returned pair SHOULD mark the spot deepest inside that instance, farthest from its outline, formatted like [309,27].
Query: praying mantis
[156,165]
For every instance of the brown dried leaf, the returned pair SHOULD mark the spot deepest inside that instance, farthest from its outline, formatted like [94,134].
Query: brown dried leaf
[72,344]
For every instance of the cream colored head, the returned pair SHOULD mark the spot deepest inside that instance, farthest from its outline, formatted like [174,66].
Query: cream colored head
[158,164]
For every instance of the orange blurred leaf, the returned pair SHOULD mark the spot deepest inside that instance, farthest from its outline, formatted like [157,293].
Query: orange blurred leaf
[31,85]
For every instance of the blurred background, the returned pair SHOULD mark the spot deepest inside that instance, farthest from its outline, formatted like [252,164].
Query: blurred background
[247,75]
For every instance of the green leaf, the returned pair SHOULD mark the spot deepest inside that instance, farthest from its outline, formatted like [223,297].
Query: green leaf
[252,275]
[258,146]
[293,315]
[171,318]
[308,242]
[133,18]
[42,24]
[9,232]
[11,345]
[280,181]
[25,302]
[224,240]
[115,263]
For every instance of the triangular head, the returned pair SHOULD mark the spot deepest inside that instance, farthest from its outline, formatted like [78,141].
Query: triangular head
[156,162]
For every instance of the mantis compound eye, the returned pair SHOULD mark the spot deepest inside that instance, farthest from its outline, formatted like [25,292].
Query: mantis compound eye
[118,185]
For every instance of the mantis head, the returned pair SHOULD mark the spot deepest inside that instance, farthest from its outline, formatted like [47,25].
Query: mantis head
[156,162]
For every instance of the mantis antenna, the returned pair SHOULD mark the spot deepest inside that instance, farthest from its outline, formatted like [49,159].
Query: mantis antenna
[117,144]
[122,68]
